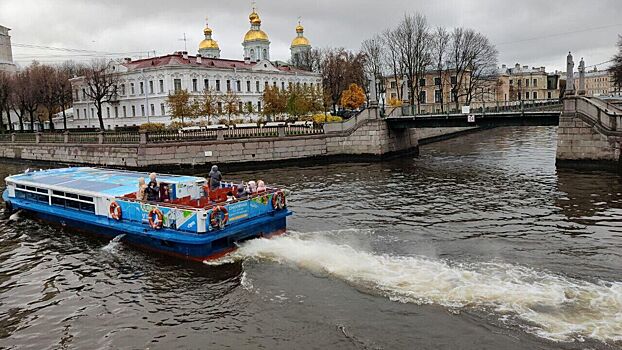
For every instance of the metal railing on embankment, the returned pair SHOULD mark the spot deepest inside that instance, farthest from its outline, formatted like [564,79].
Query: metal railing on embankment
[159,137]
[485,107]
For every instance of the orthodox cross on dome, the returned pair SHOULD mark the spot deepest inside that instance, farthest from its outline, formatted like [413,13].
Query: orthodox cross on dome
[254,5]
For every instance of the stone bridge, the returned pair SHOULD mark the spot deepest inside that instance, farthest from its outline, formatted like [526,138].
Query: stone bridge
[590,132]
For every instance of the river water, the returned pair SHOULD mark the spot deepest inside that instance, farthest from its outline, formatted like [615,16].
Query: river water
[480,243]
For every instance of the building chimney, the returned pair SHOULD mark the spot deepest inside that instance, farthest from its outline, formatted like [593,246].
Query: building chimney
[185,55]
[543,69]
[247,60]
[199,58]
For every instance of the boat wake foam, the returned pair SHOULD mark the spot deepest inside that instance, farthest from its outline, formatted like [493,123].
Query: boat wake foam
[550,305]
[113,246]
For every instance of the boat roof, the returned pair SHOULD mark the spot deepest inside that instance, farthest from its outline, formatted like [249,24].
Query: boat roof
[95,180]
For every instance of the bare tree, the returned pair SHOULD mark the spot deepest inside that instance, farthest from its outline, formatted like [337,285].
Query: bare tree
[474,59]
[44,78]
[65,98]
[374,63]
[101,85]
[392,58]
[616,68]
[339,69]
[440,47]
[412,39]
[25,98]
[5,93]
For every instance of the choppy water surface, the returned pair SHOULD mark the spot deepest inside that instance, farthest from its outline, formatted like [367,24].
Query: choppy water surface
[481,243]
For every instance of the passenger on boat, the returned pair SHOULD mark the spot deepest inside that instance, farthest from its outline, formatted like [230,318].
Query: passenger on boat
[241,192]
[230,197]
[165,194]
[153,189]
[252,187]
[261,186]
[142,188]
[215,177]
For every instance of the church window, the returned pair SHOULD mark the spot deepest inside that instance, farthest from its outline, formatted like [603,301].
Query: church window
[177,84]
[228,85]
[152,109]
[151,86]
[238,86]
[257,86]
[206,84]
[133,111]
[195,85]
[217,85]
[142,88]
[265,54]
[161,86]
[248,86]
[162,109]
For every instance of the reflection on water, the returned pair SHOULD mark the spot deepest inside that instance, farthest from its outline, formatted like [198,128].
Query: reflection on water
[481,236]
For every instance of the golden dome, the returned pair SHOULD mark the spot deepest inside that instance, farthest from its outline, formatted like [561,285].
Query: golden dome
[300,41]
[253,35]
[207,31]
[300,28]
[208,44]
[253,16]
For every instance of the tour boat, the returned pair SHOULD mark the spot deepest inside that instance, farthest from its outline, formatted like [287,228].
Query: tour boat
[193,222]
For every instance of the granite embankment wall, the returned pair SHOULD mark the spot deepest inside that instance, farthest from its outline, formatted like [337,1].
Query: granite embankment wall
[590,133]
[365,136]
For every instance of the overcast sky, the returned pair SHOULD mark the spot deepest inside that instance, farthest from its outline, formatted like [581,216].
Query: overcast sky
[530,32]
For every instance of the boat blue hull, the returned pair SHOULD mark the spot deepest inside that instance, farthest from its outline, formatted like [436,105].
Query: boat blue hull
[198,247]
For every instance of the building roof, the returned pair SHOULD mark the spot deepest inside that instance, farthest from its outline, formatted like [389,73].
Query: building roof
[95,180]
[177,59]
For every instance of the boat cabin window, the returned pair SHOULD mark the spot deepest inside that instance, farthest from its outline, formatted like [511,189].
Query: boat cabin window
[73,201]
[32,193]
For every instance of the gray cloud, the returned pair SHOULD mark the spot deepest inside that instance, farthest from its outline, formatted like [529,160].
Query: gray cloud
[524,31]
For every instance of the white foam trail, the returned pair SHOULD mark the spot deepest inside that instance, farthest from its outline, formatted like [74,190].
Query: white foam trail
[15,216]
[113,245]
[554,306]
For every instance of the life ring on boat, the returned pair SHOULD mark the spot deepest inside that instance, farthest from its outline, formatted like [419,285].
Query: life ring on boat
[219,217]
[115,211]
[278,200]
[156,223]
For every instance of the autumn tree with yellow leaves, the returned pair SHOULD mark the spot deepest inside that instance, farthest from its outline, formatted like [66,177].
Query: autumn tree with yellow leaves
[353,97]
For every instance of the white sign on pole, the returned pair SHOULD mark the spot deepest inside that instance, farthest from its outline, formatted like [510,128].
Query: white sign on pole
[471,118]
[466,109]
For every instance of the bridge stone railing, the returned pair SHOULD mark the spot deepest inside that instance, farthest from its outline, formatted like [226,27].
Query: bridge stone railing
[605,115]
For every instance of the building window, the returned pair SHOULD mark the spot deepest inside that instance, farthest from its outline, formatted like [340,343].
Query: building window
[219,107]
[548,95]
[249,107]
[152,109]
[240,107]
[437,96]
[124,112]
[78,113]
[228,85]
[92,112]
[535,95]
[177,84]
[422,82]
[122,89]
[527,95]
[265,85]
[535,83]
[282,85]
[142,88]
[437,81]
[161,86]
[195,86]
[259,106]
[206,84]
[151,86]
[107,112]
[142,110]
[422,97]
[162,109]
[217,85]
[133,111]
[257,86]
[132,90]
[526,82]
[238,86]
[454,80]
[393,85]
[116,112]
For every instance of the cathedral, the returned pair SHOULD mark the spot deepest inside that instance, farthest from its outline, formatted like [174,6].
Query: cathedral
[145,84]
[256,44]
[6,55]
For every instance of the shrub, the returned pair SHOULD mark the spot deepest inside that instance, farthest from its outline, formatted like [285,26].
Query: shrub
[178,125]
[152,127]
